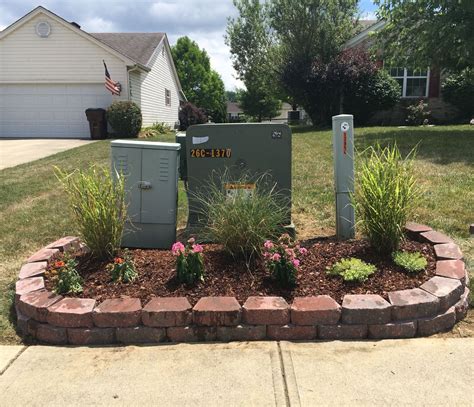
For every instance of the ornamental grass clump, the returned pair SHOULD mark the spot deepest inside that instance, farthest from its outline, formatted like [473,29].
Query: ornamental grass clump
[410,262]
[123,269]
[386,197]
[64,276]
[282,259]
[352,270]
[189,261]
[98,202]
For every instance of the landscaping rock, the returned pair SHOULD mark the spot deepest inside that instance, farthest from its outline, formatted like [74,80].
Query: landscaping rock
[72,313]
[462,306]
[241,333]
[412,304]
[291,332]
[65,244]
[439,323]
[94,336]
[118,312]
[28,285]
[266,311]
[217,311]
[43,254]
[191,333]
[321,309]
[33,269]
[448,251]
[451,269]
[446,289]
[167,311]
[365,309]
[393,330]
[435,237]
[140,334]
[35,304]
[21,322]
[340,331]
[51,334]
[414,229]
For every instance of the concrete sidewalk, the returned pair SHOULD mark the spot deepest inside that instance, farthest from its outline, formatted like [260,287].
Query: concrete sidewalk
[401,372]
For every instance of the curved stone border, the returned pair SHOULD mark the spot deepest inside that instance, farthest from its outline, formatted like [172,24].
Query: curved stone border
[433,307]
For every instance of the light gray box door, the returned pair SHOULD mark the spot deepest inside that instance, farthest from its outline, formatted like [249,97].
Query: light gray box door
[158,203]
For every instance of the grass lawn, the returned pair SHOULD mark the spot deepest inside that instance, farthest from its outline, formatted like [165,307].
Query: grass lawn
[33,210]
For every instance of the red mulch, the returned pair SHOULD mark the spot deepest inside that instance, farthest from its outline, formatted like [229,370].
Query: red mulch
[226,277]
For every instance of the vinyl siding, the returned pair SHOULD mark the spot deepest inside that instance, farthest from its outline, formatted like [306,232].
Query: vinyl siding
[63,57]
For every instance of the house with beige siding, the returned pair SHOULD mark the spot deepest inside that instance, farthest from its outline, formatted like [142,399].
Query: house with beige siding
[51,71]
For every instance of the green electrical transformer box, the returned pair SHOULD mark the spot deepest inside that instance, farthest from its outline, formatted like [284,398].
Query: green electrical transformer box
[237,150]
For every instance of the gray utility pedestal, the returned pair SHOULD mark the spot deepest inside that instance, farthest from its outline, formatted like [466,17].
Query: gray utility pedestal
[151,180]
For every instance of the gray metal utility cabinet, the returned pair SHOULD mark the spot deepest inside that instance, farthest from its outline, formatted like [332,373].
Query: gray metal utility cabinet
[250,149]
[151,179]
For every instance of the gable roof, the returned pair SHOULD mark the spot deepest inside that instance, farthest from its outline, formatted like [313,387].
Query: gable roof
[370,26]
[136,46]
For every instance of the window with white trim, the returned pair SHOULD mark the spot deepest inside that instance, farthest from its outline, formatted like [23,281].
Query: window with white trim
[413,82]
[167,97]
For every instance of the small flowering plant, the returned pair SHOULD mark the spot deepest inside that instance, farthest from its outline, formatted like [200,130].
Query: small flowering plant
[123,268]
[63,275]
[189,261]
[283,259]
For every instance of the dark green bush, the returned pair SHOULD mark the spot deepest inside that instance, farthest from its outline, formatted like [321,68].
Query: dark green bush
[189,115]
[125,118]
[458,89]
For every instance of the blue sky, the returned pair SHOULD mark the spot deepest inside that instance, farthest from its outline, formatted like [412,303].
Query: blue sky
[204,21]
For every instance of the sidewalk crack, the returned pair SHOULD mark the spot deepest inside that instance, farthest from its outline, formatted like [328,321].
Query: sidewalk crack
[13,360]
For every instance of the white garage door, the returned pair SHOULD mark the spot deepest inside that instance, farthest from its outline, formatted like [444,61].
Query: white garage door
[49,110]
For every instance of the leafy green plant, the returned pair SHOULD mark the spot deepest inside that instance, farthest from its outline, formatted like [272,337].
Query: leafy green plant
[352,270]
[242,220]
[282,259]
[386,196]
[154,130]
[64,276]
[189,261]
[123,269]
[417,114]
[458,89]
[98,202]
[125,117]
[411,262]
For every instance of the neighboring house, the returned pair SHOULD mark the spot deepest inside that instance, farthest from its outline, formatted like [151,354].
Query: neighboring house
[415,83]
[235,113]
[51,71]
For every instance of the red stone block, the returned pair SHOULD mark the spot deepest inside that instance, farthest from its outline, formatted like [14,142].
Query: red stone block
[393,330]
[51,334]
[167,311]
[448,251]
[241,333]
[118,312]
[413,228]
[217,311]
[413,304]
[291,332]
[28,285]
[94,336]
[33,270]
[365,309]
[191,333]
[435,237]
[72,313]
[462,306]
[140,334]
[43,254]
[341,331]
[266,311]
[451,269]
[35,305]
[439,323]
[321,309]
[446,289]
[65,244]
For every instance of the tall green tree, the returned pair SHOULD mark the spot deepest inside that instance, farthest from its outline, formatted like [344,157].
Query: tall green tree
[201,84]
[428,32]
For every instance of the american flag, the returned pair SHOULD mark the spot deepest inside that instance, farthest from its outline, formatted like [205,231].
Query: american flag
[114,87]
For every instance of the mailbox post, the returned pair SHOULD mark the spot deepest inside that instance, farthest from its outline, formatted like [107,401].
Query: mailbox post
[343,147]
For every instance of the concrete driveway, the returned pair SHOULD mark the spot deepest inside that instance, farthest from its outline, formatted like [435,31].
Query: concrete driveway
[15,152]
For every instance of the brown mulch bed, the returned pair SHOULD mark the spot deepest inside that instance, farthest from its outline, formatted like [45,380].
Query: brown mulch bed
[226,277]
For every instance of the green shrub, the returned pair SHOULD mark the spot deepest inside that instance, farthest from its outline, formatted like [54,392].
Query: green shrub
[125,118]
[189,115]
[417,114]
[386,195]
[155,130]
[97,200]
[352,270]
[64,276]
[123,269]
[411,262]
[458,89]
[189,262]
[242,221]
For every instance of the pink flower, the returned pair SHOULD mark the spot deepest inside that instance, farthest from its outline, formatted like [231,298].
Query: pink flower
[268,244]
[267,255]
[303,251]
[296,263]
[276,257]
[191,240]
[290,253]
[197,248]
[177,248]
